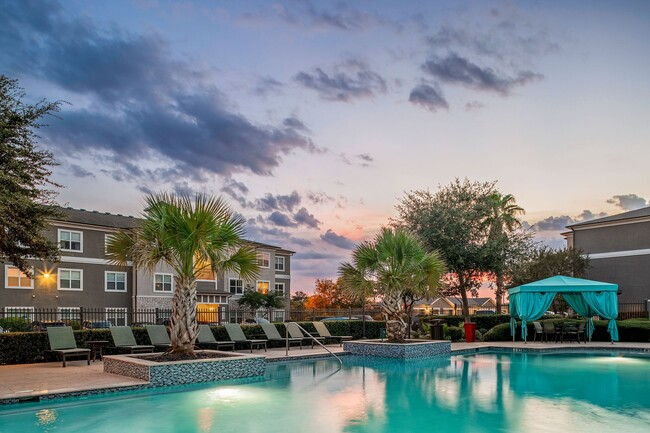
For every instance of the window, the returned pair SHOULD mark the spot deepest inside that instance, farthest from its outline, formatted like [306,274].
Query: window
[204,271]
[26,313]
[263,259]
[236,286]
[263,287]
[107,239]
[162,283]
[67,314]
[279,263]
[117,316]
[115,281]
[15,279]
[279,288]
[70,279]
[70,240]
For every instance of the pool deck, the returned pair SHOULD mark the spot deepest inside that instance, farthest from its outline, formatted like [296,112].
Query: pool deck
[27,382]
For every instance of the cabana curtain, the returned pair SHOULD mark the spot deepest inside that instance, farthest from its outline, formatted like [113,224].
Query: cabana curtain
[587,298]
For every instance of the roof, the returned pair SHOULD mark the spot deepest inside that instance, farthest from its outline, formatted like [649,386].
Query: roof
[471,302]
[95,218]
[562,284]
[106,219]
[633,214]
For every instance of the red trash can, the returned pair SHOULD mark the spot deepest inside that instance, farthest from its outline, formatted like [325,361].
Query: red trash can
[470,332]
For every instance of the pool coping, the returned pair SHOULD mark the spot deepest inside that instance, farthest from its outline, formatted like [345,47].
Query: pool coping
[56,395]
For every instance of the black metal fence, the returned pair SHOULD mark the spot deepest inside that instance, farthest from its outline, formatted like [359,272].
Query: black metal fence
[37,319]
[633,310]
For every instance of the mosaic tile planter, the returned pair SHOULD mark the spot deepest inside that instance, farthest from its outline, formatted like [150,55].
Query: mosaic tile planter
[233,366]
[413,349]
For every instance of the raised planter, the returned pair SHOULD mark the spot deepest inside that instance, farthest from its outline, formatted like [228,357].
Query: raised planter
[231,366]
[408,350]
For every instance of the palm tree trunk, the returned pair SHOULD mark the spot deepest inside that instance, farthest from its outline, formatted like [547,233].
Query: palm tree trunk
[463,297]
[395,326]
[184,328]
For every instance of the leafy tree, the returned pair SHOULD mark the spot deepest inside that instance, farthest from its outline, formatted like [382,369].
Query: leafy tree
[252,299]
[453,222]
[298,300]
[502,222]
[329,294]
[395,265]
[26,203]
[190,236]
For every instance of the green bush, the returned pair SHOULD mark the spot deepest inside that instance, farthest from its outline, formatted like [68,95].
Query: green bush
[483,321]
[15,324]
[454,333]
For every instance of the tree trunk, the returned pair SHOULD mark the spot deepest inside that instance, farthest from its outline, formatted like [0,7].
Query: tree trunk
[463,297]
[395,326]
[184,328]
[499,292]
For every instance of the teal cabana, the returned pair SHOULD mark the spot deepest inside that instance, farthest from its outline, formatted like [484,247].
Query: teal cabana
[587,298]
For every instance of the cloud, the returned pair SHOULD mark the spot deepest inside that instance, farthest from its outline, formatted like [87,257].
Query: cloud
[272,235]
[282,220]
[362,159]
[266,86]
[474,106]
[272,202]
[305,218]
[338,240]
[559,223]
[313,255]
[347,81]
[428,97]
[628,202]
[454,69]
[318,197]
[140,104]
[295,123]
[78,171]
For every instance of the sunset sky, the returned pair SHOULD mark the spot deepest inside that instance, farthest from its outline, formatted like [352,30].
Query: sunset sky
[313,118]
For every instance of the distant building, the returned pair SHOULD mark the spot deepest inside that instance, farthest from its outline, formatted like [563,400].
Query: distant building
[619,251]
[84,279]
[453,306]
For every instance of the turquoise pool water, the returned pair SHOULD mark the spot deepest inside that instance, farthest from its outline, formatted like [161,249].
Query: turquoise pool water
[489,392]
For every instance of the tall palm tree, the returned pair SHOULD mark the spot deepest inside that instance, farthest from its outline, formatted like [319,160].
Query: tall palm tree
[392,264]
[502,219]
[191,236]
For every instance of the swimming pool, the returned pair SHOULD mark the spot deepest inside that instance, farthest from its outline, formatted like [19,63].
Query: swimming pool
[487,392]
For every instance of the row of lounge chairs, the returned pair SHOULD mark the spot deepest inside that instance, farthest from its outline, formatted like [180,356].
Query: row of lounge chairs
[62,341]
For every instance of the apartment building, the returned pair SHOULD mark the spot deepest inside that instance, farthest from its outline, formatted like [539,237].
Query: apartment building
[84,278]
[619,251]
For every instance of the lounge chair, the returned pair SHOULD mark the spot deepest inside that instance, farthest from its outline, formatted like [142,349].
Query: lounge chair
[272,334]
[295,332]
[237,335]
[62,342]
[125,341]
[539,330]
[549,329]
[205,340]
[322,330]
[159,337]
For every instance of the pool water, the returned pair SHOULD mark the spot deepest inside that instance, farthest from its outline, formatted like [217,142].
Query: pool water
[489,392]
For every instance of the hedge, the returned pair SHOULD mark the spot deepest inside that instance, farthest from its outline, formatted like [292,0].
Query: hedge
[632,330]
[483,321]
[31,347]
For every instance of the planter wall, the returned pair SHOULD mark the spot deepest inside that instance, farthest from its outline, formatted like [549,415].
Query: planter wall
[413,349]
[185,372]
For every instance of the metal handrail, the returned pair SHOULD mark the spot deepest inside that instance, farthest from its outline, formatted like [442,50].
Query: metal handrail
[286,332]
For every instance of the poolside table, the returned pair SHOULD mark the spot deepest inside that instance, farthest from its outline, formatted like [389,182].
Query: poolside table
[96,345]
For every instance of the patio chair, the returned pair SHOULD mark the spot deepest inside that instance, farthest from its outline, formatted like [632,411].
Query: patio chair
[570,331]
[538,331]
[62,343]
[272,334]
[549,329]
[581,331]
[159,337]
[125,341]
[237,335]
[295,332]
[322,330]
[205,340]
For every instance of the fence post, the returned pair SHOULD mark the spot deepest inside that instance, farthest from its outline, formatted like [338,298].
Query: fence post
[313,314]
[81,317]
[157,313]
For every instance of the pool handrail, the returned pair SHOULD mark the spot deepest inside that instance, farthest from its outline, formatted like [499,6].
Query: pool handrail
[286,331]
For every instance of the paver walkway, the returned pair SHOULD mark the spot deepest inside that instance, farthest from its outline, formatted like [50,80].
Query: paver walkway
[30,380]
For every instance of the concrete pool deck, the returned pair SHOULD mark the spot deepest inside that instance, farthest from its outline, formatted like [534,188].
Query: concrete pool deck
[25,382]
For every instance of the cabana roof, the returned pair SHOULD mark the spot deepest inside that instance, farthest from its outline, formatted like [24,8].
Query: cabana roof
[562,284]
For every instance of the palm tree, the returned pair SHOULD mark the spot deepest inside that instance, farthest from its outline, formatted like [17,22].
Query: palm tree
[502,219]
[393,264]
[191,236]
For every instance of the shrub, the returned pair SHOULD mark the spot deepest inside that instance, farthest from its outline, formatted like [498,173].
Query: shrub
[15,324]
[454,333]
[486,321]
